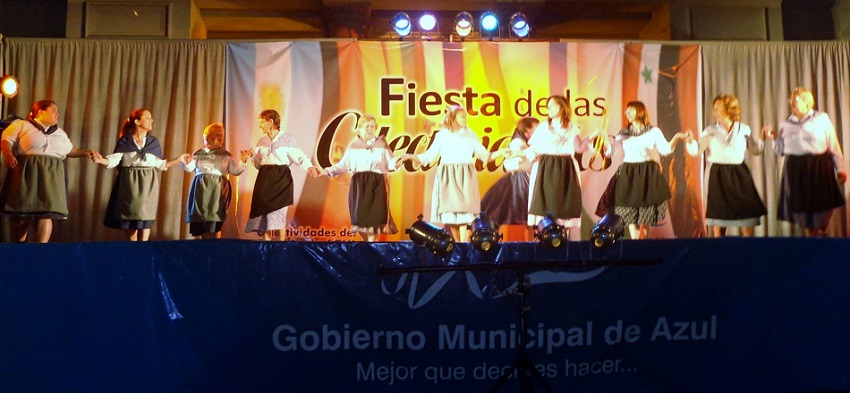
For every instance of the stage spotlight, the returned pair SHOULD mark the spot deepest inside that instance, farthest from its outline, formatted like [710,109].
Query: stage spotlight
[401,24]
[607,231]
[519,25]
[489,24]
[432,237]
[484,237]
[463,24]
[427,22]
[9,86]
[550,233]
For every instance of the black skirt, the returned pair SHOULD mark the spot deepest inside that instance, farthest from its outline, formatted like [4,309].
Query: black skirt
[808,186]
[640,185]
[506,202]
[368,201]
[556,188]
[273,190]
[732,194]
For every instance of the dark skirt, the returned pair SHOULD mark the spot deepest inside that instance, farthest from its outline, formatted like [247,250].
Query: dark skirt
[640,185]
[732,194]
[556,188]
[638,193]
[808,186]
[506,202]
[134,198]
[368,203]
[35,188]
[209,198]
[273,190]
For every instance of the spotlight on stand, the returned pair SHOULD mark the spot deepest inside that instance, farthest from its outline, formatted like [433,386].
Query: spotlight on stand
[484,237]
[550,233]
[519,25]
[607,231]
[401,24]
[9,86]
[489,24]
[430,236]
[463,23]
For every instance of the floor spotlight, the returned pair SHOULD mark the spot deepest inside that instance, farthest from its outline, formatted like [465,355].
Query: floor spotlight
[401,24]
[489,24]
[484,236]
[430,236]
[9,86]
[550,233]
[519,25]
[463,23]
[607,231]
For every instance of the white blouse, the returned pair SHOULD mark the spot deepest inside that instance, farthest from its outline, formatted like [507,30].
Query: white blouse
[728,147]
[554,140]
[813,134]
[283,150]
[362,157]
[640,148]
[28,140]
[458,147]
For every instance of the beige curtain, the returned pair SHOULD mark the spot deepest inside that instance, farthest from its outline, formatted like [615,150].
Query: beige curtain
[96,85]
[762,75]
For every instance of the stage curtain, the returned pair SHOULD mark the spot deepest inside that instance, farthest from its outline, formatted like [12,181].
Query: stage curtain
[762,76]
[96,84]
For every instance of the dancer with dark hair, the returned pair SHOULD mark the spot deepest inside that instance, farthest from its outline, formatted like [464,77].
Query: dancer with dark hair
[506,202]
[638,191]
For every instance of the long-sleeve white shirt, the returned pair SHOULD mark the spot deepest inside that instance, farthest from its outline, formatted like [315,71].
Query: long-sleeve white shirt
[364,157]
[640,148]
[458,147]
[813,134]
[283,150]
[727,147]
[27,139]
[554,140]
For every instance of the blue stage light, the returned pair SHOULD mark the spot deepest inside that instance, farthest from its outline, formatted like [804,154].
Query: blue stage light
[519,25]
[489,22]
[401,24]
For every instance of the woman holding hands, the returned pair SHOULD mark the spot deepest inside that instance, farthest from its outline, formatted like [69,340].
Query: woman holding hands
[455,199]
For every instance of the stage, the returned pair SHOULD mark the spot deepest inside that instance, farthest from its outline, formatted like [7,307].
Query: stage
[700,315]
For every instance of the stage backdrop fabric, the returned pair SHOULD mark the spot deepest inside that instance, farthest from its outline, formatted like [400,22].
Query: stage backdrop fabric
[706,315]
[322,88]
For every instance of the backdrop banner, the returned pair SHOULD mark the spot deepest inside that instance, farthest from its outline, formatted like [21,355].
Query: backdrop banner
[718,315]
[322,88]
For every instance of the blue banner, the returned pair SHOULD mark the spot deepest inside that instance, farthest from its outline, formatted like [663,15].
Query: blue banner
[223,316]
